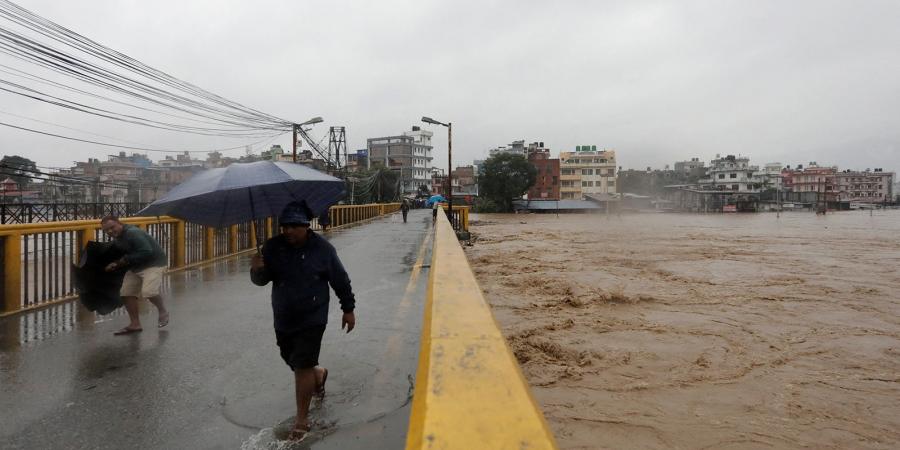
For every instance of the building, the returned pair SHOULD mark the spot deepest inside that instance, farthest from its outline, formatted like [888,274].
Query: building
[409,154]
[875,186]
[438,183]
[814,178]
[731,173]
[587,171]
[515,148]
[11,193]
[689,168]
[546,184]
[465,183]
[358,160]
[770,177]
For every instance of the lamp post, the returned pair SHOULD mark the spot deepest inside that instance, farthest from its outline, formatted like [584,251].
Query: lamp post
[296,127]
[449,162]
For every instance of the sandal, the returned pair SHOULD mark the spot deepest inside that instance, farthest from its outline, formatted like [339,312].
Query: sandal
[163,321]
[298,433]
[127,330]
[320,389]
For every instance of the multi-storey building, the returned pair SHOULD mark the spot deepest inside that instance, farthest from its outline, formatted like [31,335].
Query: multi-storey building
[814,178]
[731,173]
[438,183]
[516,148]
[587,171]
[864,187]
[465,181]
[688,168]
[409,154]
[546,184]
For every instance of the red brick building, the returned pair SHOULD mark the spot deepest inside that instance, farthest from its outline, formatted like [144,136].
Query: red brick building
[546,184]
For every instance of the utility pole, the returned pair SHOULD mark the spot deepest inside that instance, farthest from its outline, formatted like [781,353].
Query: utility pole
[450,170]
[337,141]
[294,141]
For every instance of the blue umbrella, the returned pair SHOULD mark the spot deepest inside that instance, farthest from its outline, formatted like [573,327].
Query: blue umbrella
[243,192]
[437,198]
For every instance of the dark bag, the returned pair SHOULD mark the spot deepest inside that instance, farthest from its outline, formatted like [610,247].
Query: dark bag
[98,289]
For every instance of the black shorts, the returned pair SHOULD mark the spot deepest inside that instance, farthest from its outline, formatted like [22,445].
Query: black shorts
[300,349]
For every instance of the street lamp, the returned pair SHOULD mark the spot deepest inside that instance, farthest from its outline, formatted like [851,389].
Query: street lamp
[449,162]
[296,126]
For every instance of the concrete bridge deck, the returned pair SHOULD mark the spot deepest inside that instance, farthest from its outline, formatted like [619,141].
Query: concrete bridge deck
[213,378]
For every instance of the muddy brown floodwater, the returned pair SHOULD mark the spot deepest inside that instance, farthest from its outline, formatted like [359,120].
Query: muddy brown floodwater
[732,331]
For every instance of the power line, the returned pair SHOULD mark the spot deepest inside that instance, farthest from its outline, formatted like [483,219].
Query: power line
[47,55]
[204,106]
[129,147]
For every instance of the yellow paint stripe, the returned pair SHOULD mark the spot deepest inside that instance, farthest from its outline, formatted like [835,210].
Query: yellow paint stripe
[470,392]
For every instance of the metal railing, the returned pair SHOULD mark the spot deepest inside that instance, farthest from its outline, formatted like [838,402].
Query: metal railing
[56,212]
[459,218]
[36,258]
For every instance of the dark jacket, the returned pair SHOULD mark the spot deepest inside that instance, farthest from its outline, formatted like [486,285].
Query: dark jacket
[300,279]
[140,249]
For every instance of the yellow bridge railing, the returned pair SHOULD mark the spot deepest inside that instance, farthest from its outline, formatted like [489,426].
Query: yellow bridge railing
[37,257]
[469,392]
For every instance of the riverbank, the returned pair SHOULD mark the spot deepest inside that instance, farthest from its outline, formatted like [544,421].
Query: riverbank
[702,331]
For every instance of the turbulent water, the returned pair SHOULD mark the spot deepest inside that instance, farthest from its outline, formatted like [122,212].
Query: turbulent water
[702,331]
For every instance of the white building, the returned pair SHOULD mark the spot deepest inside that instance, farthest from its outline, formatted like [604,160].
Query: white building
[731,173]
[587,171]
[409,154]
[516,148]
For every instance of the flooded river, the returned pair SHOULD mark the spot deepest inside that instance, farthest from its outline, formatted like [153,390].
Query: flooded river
[702,331]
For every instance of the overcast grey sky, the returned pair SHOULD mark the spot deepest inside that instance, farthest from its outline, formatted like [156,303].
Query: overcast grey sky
[785,81]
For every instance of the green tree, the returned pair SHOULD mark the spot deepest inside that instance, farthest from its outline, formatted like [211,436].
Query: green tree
[378,185]
[19,168]
[505,177]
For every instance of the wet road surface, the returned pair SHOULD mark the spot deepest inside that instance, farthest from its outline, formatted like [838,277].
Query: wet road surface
[213,378]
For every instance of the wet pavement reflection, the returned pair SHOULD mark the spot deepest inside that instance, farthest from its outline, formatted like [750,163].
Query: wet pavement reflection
[213,377]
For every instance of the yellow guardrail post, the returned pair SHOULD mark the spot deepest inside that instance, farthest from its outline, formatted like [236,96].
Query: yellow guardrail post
[209,250]
[469,392]
[12,273]
[180,244]
[233,239]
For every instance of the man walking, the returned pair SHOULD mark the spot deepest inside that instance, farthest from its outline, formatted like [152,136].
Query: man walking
[146,263]
[301,264]
[404,208]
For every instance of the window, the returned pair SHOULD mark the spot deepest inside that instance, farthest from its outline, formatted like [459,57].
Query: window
[734,187]
[721,175]
[733,175]
[587,171]
[568,171]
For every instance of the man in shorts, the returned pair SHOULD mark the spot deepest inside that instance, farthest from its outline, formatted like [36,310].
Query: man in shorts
[146,263]
[301,264]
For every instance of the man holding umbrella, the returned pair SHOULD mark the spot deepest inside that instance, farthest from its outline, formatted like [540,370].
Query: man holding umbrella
[301,264]
[146,263]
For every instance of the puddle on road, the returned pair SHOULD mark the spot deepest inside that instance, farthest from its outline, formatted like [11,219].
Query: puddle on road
[275,438]
[48,322]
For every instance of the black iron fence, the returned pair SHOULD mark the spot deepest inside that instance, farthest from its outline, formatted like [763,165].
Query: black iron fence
[11,213]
